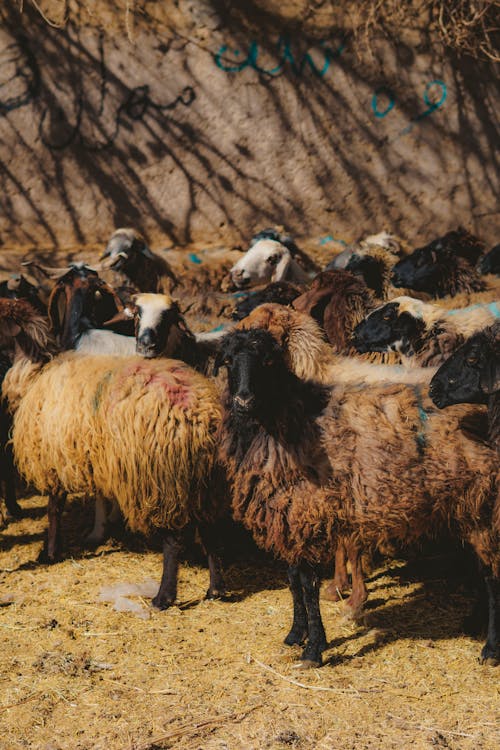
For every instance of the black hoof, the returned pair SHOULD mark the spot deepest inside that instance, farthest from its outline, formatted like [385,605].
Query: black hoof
[44,558]
[162,603]
[295,637]
[312,653]
[490,656]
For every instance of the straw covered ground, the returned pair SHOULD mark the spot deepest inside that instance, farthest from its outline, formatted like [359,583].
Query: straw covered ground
[75,674]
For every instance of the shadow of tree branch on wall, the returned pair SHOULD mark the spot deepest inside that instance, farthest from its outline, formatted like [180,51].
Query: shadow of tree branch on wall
[180,142]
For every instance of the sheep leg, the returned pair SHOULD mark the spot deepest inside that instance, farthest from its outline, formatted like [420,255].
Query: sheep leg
[298,633]
[212,548]
[97,534]
[52,552]
[359,593]
[167,593]
[11,503]
[340,582]
[490,653]
[316,644]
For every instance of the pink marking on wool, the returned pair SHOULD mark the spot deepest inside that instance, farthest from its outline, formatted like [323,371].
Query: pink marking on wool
[174,382]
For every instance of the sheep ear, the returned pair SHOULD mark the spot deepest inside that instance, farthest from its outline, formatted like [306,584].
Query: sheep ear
[147,252]
[217,363]
[490,377]
[57,309]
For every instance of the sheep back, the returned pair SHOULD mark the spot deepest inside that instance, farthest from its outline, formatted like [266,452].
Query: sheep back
[142,432]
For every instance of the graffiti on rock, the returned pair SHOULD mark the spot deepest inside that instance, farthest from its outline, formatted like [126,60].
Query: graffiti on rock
[285,56]
[432,90]
[21,83]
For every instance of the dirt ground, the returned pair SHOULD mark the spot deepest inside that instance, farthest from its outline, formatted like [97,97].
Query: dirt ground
[77,675]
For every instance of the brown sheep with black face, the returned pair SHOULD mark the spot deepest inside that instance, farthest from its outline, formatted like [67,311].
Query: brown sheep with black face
[309,465]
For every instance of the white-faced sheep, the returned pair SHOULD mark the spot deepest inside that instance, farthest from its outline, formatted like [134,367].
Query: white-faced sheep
[422,333]
[308,464]
[267,261]
[196,276]
[141,432]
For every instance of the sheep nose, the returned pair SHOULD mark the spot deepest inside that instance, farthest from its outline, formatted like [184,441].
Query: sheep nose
[147,338]
[244,402]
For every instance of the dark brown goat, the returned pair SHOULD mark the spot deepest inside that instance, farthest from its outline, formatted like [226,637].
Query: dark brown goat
[309,464]
[338,301]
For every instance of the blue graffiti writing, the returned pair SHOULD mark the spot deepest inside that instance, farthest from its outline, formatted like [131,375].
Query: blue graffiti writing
[430,91]
[431,106]
[284,54]
[387,93]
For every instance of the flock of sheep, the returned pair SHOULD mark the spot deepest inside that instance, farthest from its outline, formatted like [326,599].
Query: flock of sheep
[312,412]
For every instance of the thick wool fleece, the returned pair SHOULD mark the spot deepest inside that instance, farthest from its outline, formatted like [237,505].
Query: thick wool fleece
[140,431]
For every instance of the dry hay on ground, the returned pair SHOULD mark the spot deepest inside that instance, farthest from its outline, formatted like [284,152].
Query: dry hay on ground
[76,675]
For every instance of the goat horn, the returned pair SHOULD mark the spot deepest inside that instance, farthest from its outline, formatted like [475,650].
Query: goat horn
[50,272]
[121,316]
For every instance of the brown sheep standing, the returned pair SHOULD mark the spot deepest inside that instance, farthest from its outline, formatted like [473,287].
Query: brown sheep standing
[308,464]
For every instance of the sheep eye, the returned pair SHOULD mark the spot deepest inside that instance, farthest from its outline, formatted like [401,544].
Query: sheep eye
[472,360]
[227,361]
[273,260]
[387,317]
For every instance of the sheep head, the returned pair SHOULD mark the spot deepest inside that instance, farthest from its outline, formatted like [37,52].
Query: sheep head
[472,373]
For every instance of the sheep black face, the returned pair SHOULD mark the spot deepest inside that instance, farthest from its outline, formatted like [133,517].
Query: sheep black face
[280,292]
[255,367]
[17,287]
[471,375]
[370,269]
[422,270]
[491,261]
[387,328]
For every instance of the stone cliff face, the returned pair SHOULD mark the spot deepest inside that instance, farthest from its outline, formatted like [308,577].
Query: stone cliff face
[194,126]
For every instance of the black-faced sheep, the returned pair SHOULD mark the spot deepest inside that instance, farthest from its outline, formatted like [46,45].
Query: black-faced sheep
[472,375]
[422,333]
[490,263]
[309,464]
[310,358]
[280,292]
[442,267]
[18,287]
[142,432]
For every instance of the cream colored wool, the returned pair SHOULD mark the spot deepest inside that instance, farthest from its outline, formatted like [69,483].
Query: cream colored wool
[310,357]
[140,431]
